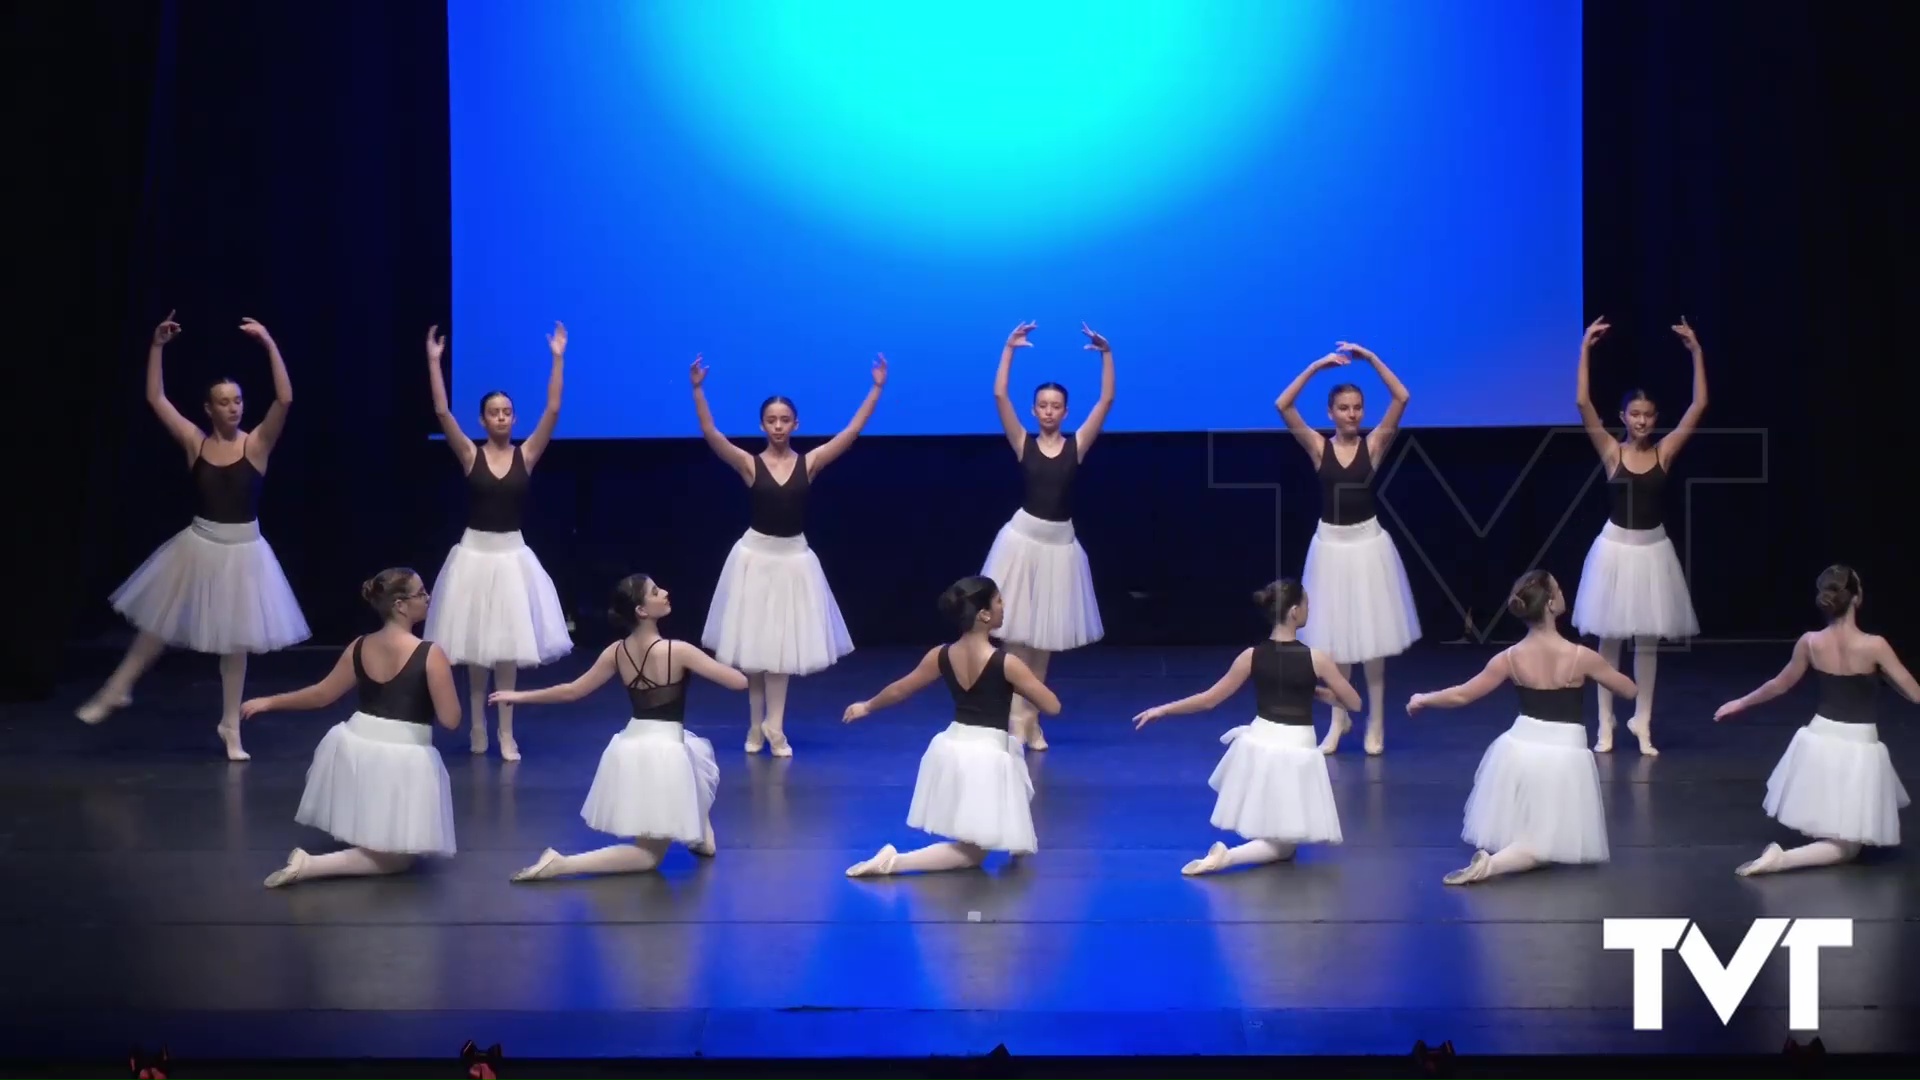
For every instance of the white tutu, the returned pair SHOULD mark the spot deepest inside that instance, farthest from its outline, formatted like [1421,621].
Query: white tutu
[214,588]
[1046,585]
[772,610]
[493,603]
[1539,786]
[974,787]
[657,781]
[1632,586]
[379,784]
[1836,782]
[1361,607]
[1273,785]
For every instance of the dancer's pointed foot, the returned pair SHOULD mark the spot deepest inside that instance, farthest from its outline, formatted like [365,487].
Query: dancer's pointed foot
[1603,743]
[756,739]
[879,866]
[1340,726]
[778,741]
[102,705]
[1643,730]
[547,867]
[1472,872]
[509,750]
[1213,861]
[230,735]
[1768,862]
[290,873]
[706,846]
[1376,741]
[1036,739]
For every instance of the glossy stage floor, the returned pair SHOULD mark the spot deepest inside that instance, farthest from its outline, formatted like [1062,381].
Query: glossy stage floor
[134,912]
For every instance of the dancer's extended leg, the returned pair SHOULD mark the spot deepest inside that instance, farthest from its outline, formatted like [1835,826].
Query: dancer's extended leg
[635,858]
[951,855]
[1252,853]
[117,691]
[353,862]
[1819,853]
[233,686]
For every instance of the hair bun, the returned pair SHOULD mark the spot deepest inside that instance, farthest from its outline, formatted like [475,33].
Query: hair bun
[369,588]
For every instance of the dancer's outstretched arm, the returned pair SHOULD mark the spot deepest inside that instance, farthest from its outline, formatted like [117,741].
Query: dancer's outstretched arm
[1491,678]
[708,668]
[829,452]
[924,675]
[1604,443]
[737,459]
[1380,439]
[1595,667]
[604,667]
[318,696]
[1788,678]
[457,441]
[267,434]
[536,443]
[183,431]
[1089,429]
[1668,448]
[1314,443]
[1336,690]
[1210,698]
[1024,684]
[1895,671]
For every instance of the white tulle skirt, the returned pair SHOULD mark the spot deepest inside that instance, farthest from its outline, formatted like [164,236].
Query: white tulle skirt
[216,589]
[1273,785]
[656,781]
[1046,585]
[773,611]
[974,786]
[1632,586]
[493,603]
[1539,786]
[1360,606]
[1836,782]
[379,784]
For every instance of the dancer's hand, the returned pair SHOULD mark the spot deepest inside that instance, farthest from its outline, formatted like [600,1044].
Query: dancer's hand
[697,373]
[557,341]
[856,711]
[253,707]
[1018,339]
[436,344]
[1416,703]
[1349,349]
[1731,708]
[1595,332]
[166,331]
[506,697]
[1095,343]
[880,369]
[253,329]
[1687,335]
[1148,717]
[1332,359]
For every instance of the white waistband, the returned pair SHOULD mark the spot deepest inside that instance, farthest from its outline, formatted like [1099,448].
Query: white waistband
[222,533]
[1359,530]
[1634,537]
[492,543]
[638,728]
[1549,732]
[773,545]
[381,729]
[1040,530]
[1840,729]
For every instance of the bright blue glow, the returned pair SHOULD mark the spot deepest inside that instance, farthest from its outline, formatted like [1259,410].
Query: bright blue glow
[1223,187]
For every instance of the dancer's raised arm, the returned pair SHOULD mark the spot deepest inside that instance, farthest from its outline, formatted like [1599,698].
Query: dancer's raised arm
[737,459]
[267,434]
[457,441]
[1603,441]
[1010,421]
[1381,437]
[922,676]
[184,431]
[1314,443]
[1090,428]
[1669,447]
[827,453]
[536,443]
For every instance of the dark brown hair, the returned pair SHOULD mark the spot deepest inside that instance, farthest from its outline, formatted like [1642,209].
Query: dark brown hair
[1277,599]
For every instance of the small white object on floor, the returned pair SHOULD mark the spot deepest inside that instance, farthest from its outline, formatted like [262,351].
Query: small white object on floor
[973,916]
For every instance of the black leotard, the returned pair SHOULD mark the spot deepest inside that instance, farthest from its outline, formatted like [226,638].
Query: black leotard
[1346,491]
[1049,480]
[1284,682]
[1850,699]
[405,697]
[989,701]
[778,509]
[226,494]
[496,504]
[656,700]
[1636,496]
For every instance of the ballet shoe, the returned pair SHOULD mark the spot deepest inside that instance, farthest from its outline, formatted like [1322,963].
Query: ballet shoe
[1340,725]
[756,739]
[1214,860]
[477,736]
[1376,740]
[230,735]
[1036,739]
[1472,872]
[879,866]
[781,747]
[98,707]
[1768,862]
[1643,730]
[548,866]
[1603,742]
[705,846]
[290,873]
[509,750]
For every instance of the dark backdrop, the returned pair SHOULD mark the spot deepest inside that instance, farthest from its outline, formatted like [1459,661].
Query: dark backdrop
[289,162]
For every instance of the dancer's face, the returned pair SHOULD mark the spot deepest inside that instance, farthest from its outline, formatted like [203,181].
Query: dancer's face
[1050,409]
[995,614]
[496,415]
[657,605]
[1557,602]
[1297,618]
[225,406]
[778,422]
[1640,417]
[1346,412]
[413,606]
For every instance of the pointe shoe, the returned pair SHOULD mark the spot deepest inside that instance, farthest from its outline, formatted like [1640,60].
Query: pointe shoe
[1472,872]
[477,736]
[547,867]
[1340,726]
[781,747]
[1376,740]
[1768,862]
[290,873]
[1643,730]
[1215,859]
[1603,743]
[756,739]
[879,866]
[230,735]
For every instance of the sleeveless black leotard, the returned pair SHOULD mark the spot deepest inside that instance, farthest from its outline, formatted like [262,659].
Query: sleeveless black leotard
[778,509]
[496,504]
[1850,699]
[655,700]
[1284,682]
[404,697]
[988,703]
[1346,491]
[226,494]
[1635,496]
[1049,480]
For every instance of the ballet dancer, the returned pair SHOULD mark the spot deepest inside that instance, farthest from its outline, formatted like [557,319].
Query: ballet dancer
[497,610]
[1273,783]
[1536,795]
[1632,585]
[1036,559]
[376,781]
[1835,784]
[215,587]
[973,784]
[773,615]
[656,781]
[1353,569]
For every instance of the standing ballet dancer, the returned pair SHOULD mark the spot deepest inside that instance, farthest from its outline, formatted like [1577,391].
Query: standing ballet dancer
[215,587]
[498,610]
[1835,784]
[1536,795]
[656,781]
[376,781]
[1036,559]
[1632,585]
[773,615]
[1273,783]
[973,784]
[1353,569]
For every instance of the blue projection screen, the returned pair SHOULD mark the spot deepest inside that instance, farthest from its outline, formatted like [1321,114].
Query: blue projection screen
[1222,187]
